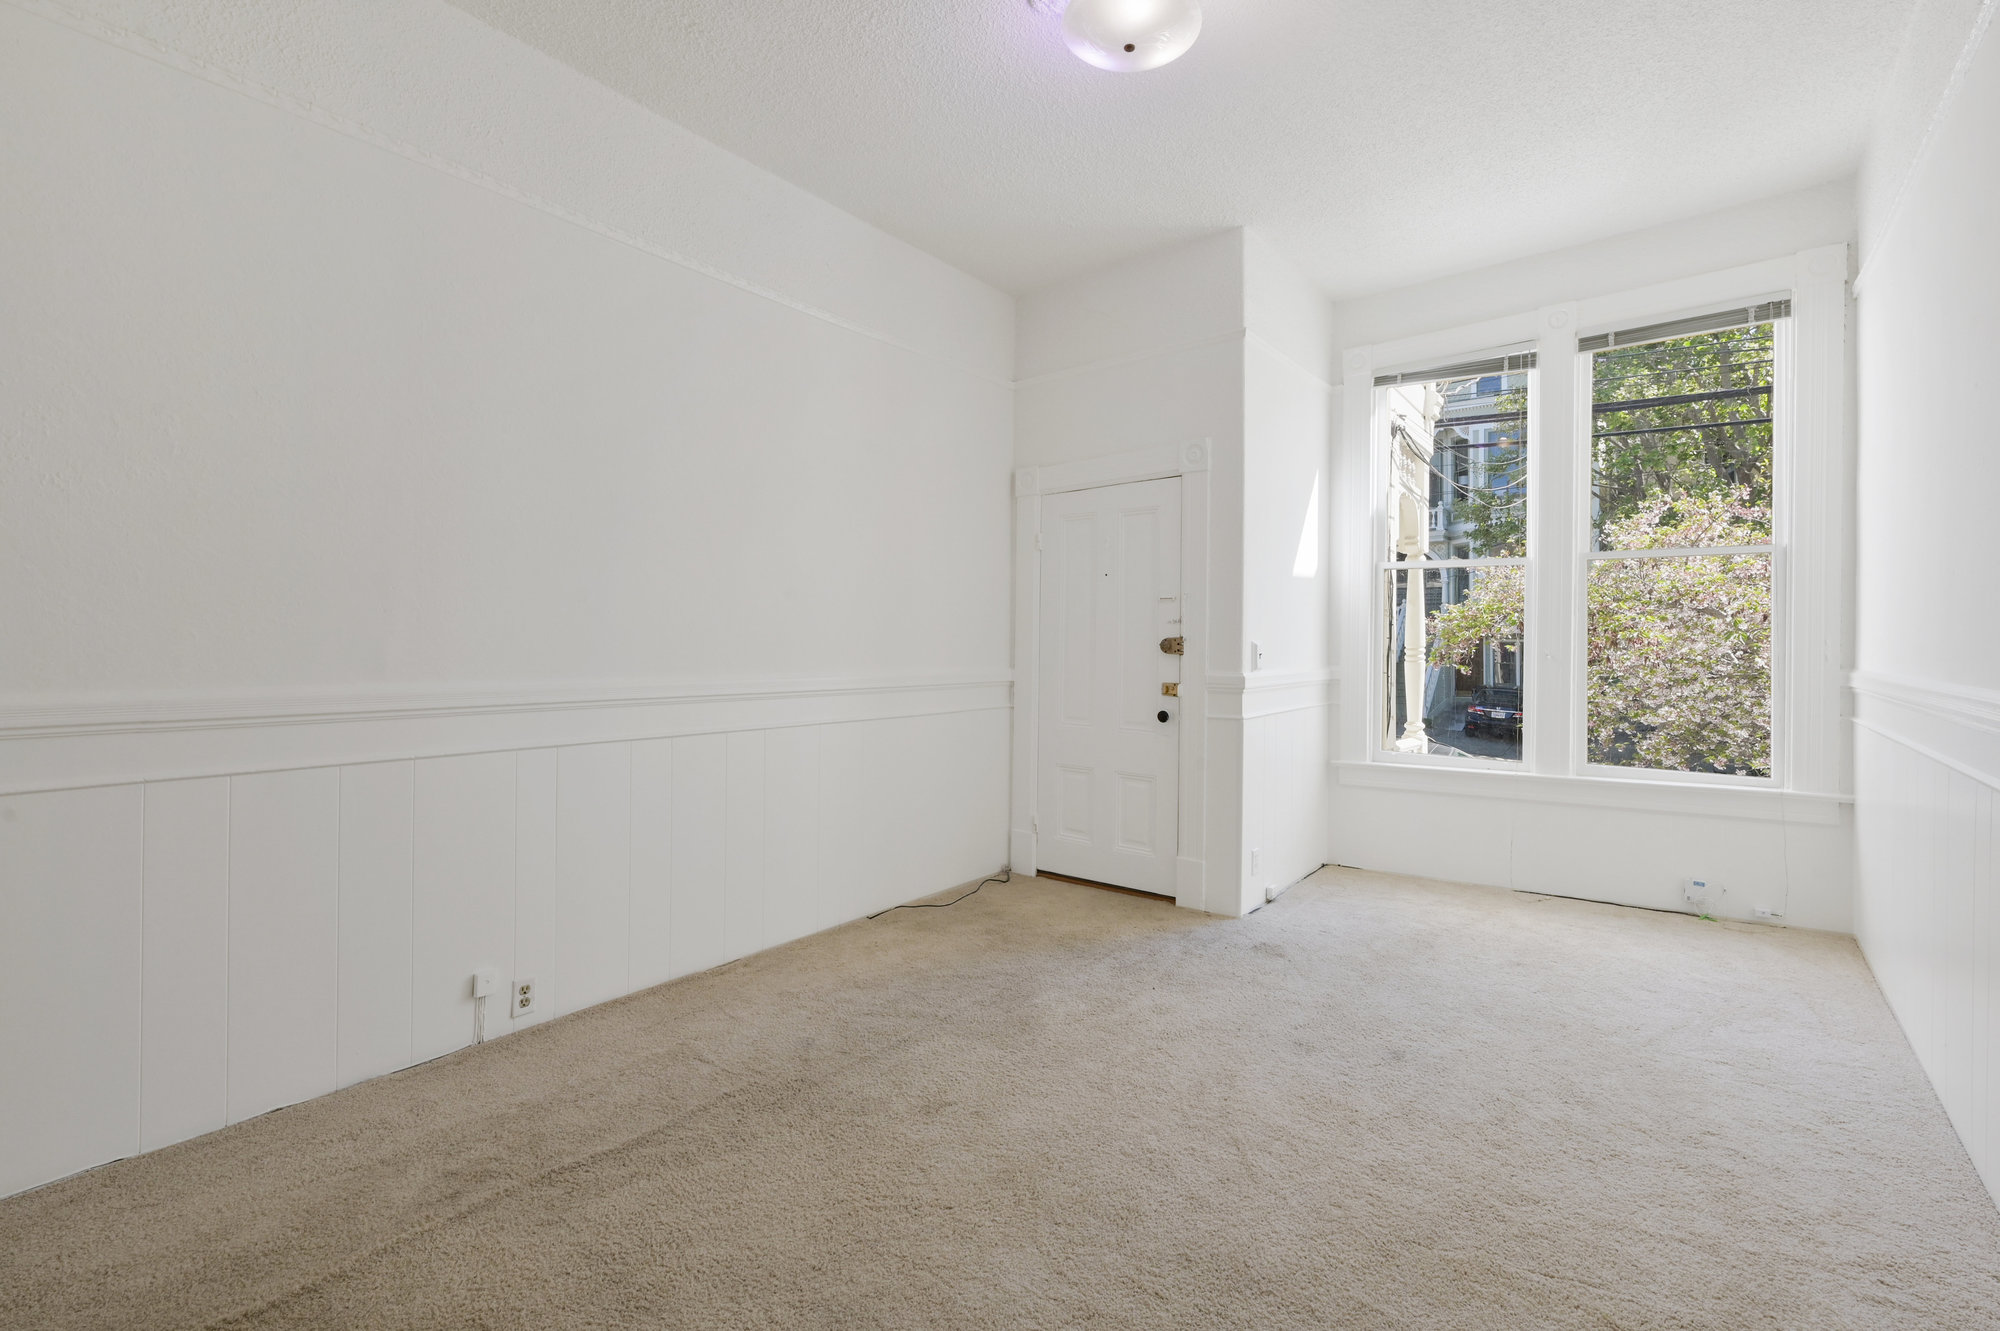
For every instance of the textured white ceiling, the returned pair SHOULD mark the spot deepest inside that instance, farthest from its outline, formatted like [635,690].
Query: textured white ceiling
[1375,142]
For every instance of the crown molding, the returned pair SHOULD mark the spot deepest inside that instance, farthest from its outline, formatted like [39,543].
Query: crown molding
[149,48]
[1947,98]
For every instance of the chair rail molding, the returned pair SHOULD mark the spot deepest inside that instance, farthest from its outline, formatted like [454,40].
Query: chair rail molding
[1246,697]
[1956,725]
[59,743]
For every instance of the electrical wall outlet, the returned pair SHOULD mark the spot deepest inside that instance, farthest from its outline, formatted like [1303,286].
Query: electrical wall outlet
[1767,913]
[1696,893]
[484,981]
[524,997]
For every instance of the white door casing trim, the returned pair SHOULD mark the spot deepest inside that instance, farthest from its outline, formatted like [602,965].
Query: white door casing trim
[1190,461]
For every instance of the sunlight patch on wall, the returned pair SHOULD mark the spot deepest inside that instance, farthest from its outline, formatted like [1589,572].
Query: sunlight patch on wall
[1306,563]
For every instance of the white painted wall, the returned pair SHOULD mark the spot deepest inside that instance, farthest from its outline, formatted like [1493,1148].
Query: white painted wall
[1687,247]
[425,433]
[452,517]
[1218,341]
[1288,422]
[1148,355]
[1927,696]
[1553,830]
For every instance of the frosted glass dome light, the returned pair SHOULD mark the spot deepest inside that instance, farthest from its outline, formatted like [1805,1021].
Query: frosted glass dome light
[1129,35]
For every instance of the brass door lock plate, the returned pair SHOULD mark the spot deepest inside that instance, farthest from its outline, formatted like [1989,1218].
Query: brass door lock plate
[1174,646]
[1170,690]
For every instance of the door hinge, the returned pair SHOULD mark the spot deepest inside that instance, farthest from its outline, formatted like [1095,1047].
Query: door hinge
[1170,690]
[1035,822]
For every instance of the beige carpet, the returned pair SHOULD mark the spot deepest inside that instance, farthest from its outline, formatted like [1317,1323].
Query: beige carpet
[1378,1103]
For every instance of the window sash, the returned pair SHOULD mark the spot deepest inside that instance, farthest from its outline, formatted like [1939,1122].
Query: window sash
[1681,552]
[1511,363]
[1772,699]
[1486,561]
[1562,474]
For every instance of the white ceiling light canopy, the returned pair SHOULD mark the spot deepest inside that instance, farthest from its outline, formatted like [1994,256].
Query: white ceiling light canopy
[1125,36]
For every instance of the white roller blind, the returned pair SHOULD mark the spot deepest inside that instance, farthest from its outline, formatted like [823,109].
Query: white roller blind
[1695,323]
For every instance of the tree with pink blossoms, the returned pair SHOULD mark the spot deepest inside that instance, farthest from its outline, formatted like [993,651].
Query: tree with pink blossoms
[1677,648]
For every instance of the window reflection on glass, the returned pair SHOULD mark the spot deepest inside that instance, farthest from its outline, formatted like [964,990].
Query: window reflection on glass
[1452,682]
[1459,467]
[1679,669]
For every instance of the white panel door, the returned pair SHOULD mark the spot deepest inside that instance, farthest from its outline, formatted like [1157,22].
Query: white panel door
[1108,771]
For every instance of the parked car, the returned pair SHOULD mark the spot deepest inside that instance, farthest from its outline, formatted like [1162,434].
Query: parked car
[1494,712]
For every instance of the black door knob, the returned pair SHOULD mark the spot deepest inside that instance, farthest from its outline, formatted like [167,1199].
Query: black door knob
[1163,716]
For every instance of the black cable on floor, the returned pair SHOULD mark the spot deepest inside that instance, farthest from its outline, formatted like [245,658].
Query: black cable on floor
[1006,877]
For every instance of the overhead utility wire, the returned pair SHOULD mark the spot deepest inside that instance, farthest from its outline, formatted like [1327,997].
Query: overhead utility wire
[1670,429]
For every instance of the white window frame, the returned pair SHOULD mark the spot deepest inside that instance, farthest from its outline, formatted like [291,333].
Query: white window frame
[1382,564]
[1781,456]
[1809,581]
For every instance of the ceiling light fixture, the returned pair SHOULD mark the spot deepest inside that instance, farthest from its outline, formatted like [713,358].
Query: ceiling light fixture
[1125,36]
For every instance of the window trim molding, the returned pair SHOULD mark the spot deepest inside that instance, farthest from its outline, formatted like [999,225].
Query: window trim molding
[1809,576]
[1784,381]
[1759,802]
[1374,429]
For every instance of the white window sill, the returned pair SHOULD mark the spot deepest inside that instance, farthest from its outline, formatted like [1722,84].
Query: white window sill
[1763,803]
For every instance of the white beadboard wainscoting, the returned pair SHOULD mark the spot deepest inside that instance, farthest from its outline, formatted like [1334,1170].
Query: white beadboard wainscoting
[210,918]
[1627,842]
[1927,904]
[1287,733]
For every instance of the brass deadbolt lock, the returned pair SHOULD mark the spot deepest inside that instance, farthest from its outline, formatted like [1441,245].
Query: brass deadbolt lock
[1174,646]
[1170,690]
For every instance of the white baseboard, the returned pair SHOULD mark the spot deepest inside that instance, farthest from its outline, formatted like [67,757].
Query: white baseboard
[1021,852]
[1188,883]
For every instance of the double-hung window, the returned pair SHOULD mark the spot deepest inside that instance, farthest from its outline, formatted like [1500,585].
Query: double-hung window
[1453,554]
[1679,612]
[1641,608]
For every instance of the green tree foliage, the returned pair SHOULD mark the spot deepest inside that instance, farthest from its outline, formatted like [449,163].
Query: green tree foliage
[1660,430]
[1492,611]
[1678,649]
[1678,652]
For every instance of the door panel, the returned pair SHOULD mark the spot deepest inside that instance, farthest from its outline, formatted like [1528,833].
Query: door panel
[1108,777]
